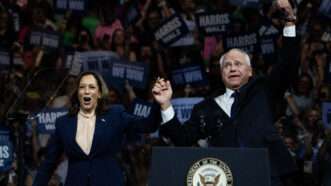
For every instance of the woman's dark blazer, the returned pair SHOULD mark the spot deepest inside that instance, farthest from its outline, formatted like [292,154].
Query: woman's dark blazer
[100,167]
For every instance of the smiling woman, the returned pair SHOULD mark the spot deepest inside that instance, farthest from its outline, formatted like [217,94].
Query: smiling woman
[91,136]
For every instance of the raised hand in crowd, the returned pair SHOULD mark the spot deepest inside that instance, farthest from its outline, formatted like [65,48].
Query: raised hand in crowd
[162,92]
[286,8]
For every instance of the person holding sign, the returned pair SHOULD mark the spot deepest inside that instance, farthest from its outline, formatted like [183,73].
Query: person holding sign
[242,116]
[91,136]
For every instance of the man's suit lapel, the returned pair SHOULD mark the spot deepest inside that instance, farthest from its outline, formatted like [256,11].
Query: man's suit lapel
[246,92]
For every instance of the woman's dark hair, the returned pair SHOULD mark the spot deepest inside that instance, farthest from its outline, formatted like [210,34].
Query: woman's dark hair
[101,107]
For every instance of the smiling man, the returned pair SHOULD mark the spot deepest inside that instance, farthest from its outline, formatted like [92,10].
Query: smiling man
[242,115]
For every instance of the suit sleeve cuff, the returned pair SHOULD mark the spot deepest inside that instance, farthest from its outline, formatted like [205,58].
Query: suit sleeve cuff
[167,114]
[289,31]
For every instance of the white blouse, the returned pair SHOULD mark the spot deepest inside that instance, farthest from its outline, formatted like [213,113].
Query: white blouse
[85,130]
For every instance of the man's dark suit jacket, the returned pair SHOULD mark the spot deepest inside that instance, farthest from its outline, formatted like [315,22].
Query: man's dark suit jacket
[252,126]
[99,168]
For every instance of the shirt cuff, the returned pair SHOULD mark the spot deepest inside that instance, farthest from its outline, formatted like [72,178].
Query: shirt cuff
[167,114]
[289,31]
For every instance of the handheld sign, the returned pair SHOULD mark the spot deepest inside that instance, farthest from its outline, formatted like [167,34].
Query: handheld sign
[141,108]
[5,63]
[98,61]
[6,150]
[171,30]
[114,69]
[192,74]
[268,35]
[326,115]
[246,41]
[212,23]
[76,6]
[136,73]
[50,40]
[47,118]
[183,107]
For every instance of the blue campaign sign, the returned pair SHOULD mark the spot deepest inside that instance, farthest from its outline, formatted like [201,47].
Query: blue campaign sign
[96,60]
[5,61]
[47,118]
[72,63]
[171,30]
[141,108]
[136,73]
[248,42]
[36,38]
[6,150]
[212,23]
[112,68]
[326,106]
[191,74]
[76,6]
[183,107]
[50,40]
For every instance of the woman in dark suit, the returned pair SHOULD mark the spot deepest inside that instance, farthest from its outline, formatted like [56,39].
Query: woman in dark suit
[90,136]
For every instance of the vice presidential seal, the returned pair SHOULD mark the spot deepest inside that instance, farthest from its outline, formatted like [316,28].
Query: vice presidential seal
[209,172]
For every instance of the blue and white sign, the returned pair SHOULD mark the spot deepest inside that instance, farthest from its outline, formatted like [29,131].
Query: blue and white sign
[4,61]
[171,30]
[247,42]
[35,38]
[114,70]
[135,72]
[141,108]
[268,34]
[183,107]
[212,23]
[5,64]
[326,106]
[73,64]
[47,118]
[46,39]
[77,6]
[6,150]
[192,74]
[96,60]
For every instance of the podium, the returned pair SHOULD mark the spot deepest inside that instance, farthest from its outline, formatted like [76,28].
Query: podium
[194,166]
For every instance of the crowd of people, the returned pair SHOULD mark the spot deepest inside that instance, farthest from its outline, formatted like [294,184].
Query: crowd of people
[35,77]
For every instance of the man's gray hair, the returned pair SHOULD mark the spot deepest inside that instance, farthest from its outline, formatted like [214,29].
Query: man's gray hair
[246,56]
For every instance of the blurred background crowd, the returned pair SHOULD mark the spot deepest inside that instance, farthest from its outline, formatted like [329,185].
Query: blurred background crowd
[36,77]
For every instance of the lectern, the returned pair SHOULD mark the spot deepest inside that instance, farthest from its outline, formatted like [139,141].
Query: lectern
[193,166]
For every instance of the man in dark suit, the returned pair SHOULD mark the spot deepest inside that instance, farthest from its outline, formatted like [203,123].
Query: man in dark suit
[242,116]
